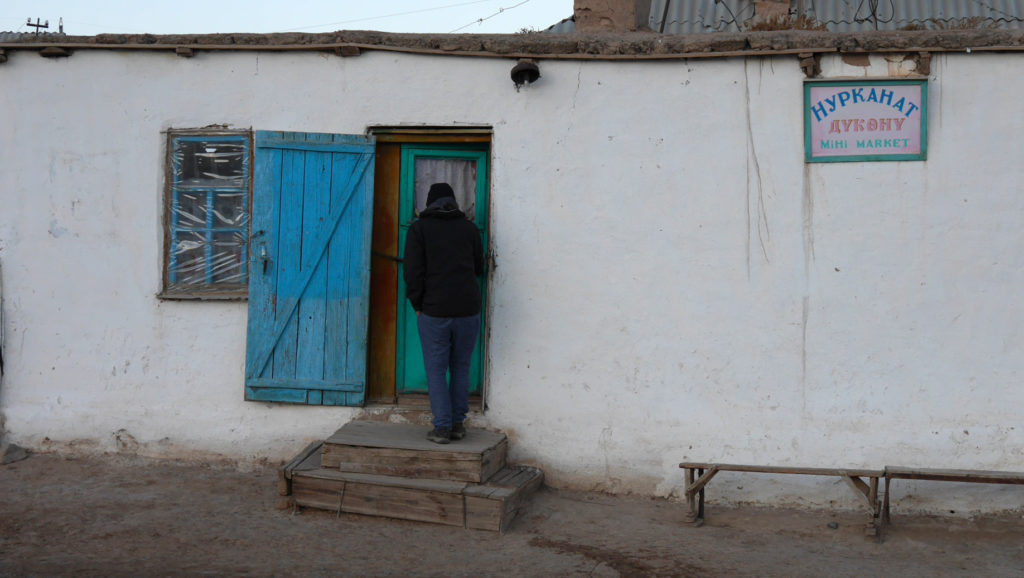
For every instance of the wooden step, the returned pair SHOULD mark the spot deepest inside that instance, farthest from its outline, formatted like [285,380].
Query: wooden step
[493,506]
[488,506]
[389,449]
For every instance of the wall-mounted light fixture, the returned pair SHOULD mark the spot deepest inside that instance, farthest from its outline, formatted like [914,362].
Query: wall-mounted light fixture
[525,72]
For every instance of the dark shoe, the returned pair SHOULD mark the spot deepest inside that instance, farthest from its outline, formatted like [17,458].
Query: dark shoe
[458,431]
[440,435]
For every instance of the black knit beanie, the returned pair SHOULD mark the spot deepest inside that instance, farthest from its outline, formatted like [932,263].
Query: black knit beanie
[439,191]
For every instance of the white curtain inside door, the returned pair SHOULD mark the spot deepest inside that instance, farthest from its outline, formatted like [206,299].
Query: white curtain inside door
[459,173]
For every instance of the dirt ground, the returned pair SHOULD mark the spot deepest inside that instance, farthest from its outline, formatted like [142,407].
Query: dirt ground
[117,516]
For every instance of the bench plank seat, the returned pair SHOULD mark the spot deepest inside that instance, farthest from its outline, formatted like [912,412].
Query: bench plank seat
[855,472]
[939,475]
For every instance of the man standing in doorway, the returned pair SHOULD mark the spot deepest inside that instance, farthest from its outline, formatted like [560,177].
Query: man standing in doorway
[444,258]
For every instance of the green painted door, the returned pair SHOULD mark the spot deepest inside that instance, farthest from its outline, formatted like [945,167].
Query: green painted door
[466,170]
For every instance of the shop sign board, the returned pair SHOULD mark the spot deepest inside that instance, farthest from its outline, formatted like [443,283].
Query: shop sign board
[865,120]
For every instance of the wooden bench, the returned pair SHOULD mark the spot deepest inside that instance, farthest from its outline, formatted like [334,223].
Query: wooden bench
[699,474]
[934,475]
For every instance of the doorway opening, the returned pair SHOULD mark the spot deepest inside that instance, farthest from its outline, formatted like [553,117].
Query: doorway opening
[408,161]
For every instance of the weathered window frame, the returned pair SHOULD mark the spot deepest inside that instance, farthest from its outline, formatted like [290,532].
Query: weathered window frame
[176,282]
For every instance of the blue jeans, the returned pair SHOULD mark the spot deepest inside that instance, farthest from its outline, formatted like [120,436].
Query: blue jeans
[448,344]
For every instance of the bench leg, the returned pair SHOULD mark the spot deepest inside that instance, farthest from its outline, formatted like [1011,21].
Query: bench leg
[876,525]
[869,492]
[885,508]
[694,500]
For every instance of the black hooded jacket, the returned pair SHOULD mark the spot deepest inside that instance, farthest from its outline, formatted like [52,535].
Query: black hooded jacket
[443,259]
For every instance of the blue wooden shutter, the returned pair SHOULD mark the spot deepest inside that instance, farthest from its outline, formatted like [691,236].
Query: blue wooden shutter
[309,268]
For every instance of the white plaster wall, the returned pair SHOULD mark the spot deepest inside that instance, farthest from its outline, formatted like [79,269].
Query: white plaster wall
[673,283]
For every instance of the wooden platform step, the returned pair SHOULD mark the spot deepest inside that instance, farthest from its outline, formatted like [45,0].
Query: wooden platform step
[487,506]
[390,449]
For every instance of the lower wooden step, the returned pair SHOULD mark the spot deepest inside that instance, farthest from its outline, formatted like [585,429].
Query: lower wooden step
[488,506]
[493,506]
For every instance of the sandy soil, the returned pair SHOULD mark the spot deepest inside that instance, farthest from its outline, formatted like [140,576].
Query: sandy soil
[117,516]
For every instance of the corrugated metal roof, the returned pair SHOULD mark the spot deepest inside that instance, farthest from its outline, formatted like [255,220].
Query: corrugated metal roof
[698,16]
[686,17]
[566,26]
[862,15]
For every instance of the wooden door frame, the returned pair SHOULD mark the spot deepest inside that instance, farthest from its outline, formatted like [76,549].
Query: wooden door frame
[384,298]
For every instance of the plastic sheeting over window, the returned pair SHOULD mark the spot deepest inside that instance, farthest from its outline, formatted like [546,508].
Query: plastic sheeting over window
[208,212]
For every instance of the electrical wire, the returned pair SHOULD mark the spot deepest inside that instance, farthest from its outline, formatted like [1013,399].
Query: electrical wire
[1010,17]
[735,19]
[395,15]
[873,14]
[481,20]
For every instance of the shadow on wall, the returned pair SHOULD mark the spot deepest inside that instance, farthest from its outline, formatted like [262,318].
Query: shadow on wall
[1,336]
[8,453]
